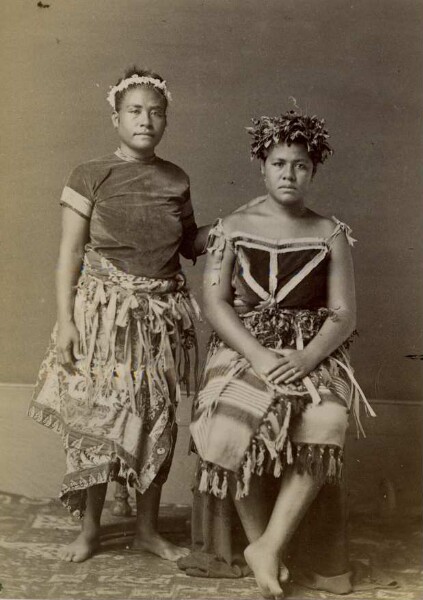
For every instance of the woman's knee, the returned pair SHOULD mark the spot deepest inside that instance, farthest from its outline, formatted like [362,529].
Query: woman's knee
[324,423]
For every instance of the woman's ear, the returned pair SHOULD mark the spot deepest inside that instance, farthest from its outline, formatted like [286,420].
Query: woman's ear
[115,119]
[262,167]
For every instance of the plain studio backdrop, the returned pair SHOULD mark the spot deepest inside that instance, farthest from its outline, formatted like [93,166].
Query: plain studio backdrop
[357,63]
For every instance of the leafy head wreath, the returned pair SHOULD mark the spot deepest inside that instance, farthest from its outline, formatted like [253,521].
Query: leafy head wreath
[291,127]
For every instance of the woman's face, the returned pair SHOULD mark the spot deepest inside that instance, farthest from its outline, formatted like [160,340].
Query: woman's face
[141,120]
[287,173]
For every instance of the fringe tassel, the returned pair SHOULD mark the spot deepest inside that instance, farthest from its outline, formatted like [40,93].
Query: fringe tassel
[253,455]
[323,462]
[289,457]
[340,463]
[238,494]
[332,470]
[215,484]
[204,480]
[216,246]
[277,469]
[320,465]
[246,473]
[260,460]
[280,440]
[310,459]
[224,490]
[320,461]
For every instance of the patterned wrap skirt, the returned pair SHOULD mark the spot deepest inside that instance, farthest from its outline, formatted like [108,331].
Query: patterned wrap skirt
[115,410]
[245,425]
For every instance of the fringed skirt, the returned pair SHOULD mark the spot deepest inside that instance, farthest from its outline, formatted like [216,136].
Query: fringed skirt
[244,425]
[116,408]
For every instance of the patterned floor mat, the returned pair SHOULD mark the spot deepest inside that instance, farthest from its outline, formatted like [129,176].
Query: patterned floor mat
[32,531]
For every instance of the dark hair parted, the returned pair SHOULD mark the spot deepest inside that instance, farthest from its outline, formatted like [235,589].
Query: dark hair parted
[134,70]
[290,128]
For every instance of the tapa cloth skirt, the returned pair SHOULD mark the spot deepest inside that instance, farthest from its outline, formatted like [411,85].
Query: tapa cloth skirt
[115,410]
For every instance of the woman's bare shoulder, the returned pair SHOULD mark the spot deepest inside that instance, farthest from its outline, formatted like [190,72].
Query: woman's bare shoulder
[241,218]
[325,225]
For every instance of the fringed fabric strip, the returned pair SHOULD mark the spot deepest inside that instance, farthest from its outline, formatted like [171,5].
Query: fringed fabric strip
[344,228]
[216,244]
[356,396]
[160,316]
[324,462]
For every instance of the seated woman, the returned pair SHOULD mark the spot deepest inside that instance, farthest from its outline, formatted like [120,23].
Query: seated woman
[277,387]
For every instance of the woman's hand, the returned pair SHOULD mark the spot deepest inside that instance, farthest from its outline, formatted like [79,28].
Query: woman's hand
[264,362]
[68,345]
[295,365]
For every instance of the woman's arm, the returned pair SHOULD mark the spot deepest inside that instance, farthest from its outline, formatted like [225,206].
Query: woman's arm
[337,327]
[200,241]
[194,242]
[74,237]
[219,311]
[341,301]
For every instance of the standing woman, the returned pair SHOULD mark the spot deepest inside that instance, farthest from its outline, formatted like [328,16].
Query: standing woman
[110,382]
[277,387]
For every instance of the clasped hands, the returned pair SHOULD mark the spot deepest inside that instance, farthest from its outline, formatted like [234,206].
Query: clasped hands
[283,366]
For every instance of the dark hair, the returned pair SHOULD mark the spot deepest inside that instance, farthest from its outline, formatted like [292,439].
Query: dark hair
[134,70]
[290,128]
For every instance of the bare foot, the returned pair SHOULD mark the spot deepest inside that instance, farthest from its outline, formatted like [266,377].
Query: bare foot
[265,567]
[283,573]
[80,549]
[156,544]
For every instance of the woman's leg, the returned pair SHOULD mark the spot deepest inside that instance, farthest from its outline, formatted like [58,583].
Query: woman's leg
[263,555]
[322,424]
[88,540]
[255,509]
[325,550]
[147,536]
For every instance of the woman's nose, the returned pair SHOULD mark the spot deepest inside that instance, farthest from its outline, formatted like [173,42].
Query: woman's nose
[145,118]
[288,173]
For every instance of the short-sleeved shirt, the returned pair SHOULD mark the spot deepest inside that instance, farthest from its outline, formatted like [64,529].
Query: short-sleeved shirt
[140,212]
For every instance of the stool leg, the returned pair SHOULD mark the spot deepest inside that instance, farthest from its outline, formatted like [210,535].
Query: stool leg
[121,507]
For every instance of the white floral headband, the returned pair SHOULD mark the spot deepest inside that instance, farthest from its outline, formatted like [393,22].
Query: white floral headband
[137,80]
